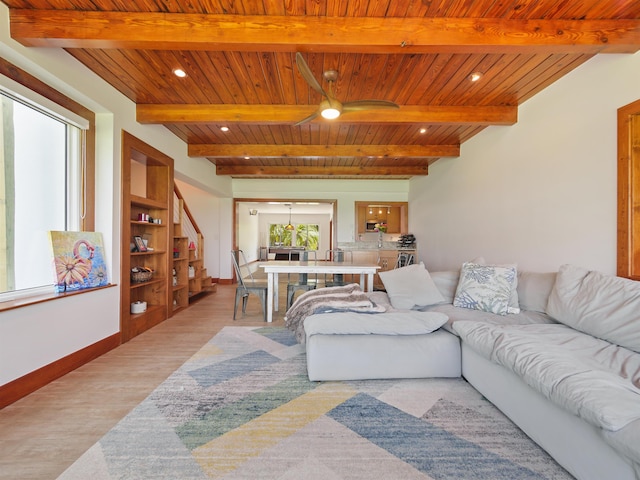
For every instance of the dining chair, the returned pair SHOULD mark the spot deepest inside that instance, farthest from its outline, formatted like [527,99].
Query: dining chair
[247,286]
[303,283]
[337,279]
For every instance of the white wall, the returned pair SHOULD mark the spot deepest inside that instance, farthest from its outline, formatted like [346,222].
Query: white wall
[248,239]
[541,193]
[205,209]
[37,335]
[346,192]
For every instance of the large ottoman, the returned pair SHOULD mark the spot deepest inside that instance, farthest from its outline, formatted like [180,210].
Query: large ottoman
[357,346]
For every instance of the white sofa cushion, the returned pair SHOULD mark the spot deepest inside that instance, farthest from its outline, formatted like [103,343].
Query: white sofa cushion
[390,323]
[601,305]
[446,282]
[534,289]
[410,287]
[587,376]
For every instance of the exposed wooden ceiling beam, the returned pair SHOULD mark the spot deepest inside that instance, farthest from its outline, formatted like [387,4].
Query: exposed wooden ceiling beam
[321,171]
[318,151]
[182,31]
[281,114]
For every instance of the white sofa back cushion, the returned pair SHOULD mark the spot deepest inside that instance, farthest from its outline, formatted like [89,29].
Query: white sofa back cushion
[601,305]
[446,282]
[534,289]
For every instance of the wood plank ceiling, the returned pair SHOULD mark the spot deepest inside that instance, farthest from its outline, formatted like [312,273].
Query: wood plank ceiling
[239,56]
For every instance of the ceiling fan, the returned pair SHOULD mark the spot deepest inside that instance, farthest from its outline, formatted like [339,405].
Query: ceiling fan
[330,107]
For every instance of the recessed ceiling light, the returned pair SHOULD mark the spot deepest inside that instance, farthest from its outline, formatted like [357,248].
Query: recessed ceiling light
[475,76]
[423,130]
[247,158]
[224,129]
[178,72]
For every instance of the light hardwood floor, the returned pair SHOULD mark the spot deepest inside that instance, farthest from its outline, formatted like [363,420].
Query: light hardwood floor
[45,432]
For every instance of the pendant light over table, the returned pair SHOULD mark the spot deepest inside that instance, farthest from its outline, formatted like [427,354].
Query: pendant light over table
[289,226]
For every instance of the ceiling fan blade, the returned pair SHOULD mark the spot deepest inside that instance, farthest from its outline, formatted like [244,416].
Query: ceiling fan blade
[306,120]
[359,105]
[305,71]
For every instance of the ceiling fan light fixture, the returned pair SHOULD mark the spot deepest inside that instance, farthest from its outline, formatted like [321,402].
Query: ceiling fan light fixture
[330,109]
[330,113]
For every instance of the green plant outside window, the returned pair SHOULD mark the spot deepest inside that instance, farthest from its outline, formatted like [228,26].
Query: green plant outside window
[305,235]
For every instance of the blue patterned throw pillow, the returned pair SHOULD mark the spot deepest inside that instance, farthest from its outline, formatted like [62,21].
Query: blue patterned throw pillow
[485,287]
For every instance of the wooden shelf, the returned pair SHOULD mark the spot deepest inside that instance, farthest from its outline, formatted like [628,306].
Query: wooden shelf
[152,252]
[146,202]
[147,224]
[180,281]
[147,283]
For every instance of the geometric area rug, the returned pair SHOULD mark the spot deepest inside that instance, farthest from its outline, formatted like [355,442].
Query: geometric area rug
[243,408]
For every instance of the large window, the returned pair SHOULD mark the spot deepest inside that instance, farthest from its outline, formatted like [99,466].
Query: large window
[308,235]
[41,189]
[304,235]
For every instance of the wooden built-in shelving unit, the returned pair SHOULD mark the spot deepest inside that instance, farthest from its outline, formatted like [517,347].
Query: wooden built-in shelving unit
[147,190]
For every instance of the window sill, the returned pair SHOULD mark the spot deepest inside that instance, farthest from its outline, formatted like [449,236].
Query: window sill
[26,301]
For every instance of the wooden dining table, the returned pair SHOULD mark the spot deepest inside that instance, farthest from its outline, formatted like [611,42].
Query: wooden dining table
[274,268]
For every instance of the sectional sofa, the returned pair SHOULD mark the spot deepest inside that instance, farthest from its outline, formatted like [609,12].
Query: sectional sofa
[557,352]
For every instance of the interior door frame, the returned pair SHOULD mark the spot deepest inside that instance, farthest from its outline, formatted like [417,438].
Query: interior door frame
[628,263]
[332,224]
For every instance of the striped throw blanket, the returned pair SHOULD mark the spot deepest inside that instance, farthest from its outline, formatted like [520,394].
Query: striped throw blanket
[347,298]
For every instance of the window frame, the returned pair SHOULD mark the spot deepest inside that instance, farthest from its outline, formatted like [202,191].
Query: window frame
[87,220]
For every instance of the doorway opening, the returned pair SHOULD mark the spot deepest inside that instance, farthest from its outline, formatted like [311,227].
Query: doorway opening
[259,226]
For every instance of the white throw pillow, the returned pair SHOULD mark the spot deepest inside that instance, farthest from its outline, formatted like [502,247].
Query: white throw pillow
[485,287]
[410,287]
[514,303]
[601,305]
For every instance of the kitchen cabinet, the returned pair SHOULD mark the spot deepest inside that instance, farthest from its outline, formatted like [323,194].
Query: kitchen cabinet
[394,214]
[387,259]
